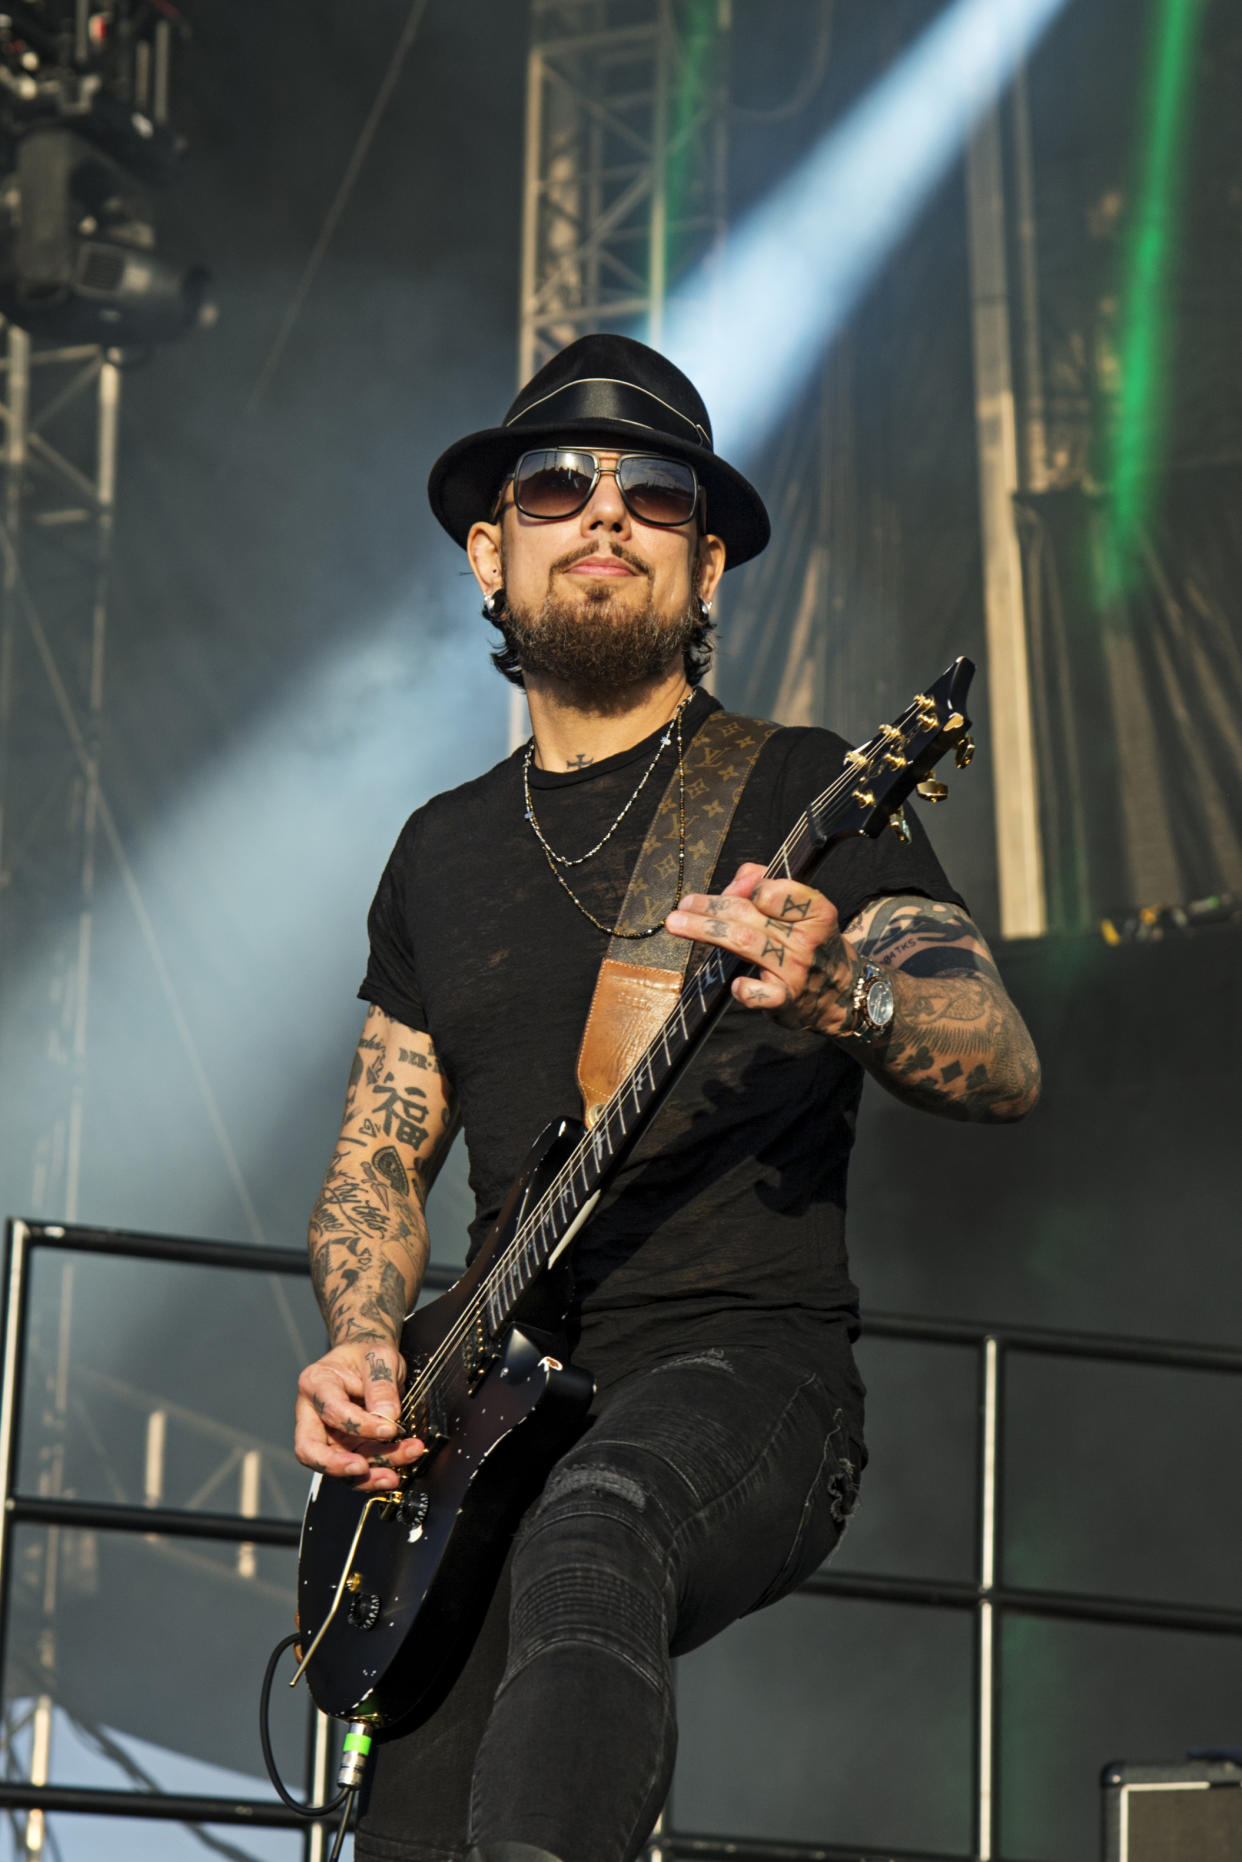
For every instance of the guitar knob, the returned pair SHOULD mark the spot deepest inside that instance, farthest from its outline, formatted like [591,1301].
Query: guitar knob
[964,753]
[364,1610]
[933,791]
[414,1504]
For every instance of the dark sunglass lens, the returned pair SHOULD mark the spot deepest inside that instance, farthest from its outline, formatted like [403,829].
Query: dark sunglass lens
[659,491]
[553,484]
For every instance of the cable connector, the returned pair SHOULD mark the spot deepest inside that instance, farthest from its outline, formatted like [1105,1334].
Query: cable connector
[354,1755]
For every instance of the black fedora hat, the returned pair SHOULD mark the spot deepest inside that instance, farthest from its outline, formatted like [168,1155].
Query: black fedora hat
[611,390]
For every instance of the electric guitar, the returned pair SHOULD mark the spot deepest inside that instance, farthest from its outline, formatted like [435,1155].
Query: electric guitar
[392,1586]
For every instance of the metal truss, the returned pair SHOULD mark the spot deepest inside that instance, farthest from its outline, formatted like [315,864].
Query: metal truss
[626,116]
[625,163]
[60,414]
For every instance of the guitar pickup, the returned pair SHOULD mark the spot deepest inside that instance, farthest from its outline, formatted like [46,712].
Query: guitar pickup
[431,1430]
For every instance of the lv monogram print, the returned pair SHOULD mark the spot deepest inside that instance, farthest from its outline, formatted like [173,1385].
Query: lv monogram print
[720,758]
[639,983]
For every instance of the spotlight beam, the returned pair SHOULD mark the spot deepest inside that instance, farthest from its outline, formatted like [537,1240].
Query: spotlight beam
[798,264]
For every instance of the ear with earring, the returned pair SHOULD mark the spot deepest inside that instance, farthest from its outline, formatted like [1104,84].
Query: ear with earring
[494,604]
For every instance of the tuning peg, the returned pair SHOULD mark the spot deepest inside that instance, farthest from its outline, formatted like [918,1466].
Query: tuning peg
[900,826]
[933,791]
[964,753]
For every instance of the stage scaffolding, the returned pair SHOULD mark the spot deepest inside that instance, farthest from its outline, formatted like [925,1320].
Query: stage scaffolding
[625,163]
[625,172]
[61,411]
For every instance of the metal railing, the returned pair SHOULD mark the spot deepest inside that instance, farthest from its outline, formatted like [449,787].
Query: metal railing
[23,1240]
[987,1597]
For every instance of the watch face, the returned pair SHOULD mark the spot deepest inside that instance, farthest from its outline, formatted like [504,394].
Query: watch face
[879,1002]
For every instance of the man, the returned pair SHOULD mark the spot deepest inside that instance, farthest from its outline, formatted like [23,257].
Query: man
[713,1305]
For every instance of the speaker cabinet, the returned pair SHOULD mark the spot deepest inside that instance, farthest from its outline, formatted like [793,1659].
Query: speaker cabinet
[1190,1812]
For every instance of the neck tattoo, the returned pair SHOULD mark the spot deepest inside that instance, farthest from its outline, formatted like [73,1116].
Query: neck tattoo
[558,860]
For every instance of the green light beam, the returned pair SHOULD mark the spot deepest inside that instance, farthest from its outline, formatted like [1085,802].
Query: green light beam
[687,105]
[1145,361]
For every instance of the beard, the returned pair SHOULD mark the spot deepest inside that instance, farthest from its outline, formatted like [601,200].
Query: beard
[595,642]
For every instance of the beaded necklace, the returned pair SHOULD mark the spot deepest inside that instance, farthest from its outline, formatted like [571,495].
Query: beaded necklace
[558,860]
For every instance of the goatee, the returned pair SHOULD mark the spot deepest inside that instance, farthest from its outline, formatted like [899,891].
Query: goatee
[596,642]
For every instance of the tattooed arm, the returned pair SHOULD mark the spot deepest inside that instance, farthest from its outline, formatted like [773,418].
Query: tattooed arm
[368,1251]
[956,1044]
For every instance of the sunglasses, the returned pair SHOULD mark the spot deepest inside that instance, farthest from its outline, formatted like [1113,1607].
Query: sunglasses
[561,482]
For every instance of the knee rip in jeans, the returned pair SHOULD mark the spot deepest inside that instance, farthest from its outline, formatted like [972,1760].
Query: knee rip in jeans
[564,1481]
[843,1486]
[711,1358]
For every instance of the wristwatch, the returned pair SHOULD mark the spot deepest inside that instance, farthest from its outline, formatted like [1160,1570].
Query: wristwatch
[872,1003]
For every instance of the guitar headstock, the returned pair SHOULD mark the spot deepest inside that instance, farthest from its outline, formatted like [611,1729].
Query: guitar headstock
[881,773]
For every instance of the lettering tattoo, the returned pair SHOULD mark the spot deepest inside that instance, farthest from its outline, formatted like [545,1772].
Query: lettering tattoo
[426,1063]
[924,937]
[403,1110]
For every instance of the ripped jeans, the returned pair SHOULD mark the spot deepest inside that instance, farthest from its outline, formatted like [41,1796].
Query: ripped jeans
[702,1489]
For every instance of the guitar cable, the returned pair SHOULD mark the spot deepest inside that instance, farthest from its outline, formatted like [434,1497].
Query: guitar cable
[353,1758]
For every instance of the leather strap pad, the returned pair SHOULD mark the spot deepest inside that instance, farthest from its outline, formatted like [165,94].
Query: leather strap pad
[640,981]
[630,1005]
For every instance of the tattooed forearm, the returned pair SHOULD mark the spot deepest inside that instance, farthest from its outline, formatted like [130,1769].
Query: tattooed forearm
[368,1235]
[957,1046]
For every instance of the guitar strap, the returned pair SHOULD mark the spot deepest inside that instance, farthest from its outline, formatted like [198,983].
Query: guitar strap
[639,981]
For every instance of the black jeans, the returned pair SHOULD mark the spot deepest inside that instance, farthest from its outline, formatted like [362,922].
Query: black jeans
[704,1488]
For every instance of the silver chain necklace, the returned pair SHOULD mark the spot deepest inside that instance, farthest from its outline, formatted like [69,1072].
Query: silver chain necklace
[563,859]
[558,860]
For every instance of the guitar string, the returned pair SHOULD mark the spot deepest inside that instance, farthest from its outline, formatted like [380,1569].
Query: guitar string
[489,1286]
[422,1384]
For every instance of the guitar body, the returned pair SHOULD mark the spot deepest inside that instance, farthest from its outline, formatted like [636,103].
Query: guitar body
[421,1573]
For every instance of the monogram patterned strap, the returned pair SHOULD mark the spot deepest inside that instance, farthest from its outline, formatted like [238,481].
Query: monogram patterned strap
[625,1016]
[721,756]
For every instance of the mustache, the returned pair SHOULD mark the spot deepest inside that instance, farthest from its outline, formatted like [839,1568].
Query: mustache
[618,550]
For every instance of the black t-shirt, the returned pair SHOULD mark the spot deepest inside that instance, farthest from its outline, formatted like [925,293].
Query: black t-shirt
[726,1222]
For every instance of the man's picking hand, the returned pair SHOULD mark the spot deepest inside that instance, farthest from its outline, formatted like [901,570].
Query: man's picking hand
[348,1417]
[790,932]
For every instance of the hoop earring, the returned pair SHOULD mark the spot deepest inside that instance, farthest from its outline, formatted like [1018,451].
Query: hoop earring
[494,605]
[705,608]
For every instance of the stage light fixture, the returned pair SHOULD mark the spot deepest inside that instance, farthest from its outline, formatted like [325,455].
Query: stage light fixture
[82,253]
